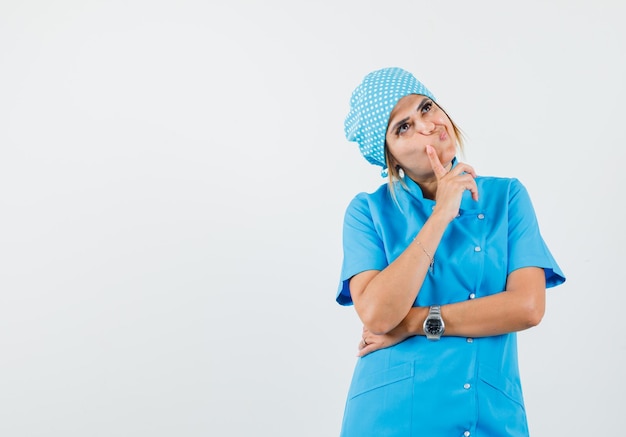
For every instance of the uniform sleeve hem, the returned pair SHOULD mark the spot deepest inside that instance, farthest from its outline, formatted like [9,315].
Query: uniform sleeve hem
[343,293]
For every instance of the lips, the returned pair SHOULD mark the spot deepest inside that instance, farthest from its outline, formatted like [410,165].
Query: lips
[443,136]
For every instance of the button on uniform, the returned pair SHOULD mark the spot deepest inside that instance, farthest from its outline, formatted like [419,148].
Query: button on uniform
[470,339]
[467,433]
[480,216]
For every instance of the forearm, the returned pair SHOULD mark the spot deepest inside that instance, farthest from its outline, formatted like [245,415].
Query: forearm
[482,317]
[497,314]
[520,307]
[383,300]
[492,315]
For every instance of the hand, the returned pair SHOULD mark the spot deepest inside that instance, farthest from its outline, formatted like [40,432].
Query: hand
[451,184]
[371,342]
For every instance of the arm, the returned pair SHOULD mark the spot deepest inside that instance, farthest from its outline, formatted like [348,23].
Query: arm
[520,306]
[382,299]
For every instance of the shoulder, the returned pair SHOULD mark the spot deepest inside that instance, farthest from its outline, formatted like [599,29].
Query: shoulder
[508,185]
[498,181]
[370,200]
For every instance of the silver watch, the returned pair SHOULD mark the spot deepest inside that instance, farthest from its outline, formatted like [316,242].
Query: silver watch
[433,325]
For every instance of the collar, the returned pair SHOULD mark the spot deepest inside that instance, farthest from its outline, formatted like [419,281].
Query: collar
[413,190]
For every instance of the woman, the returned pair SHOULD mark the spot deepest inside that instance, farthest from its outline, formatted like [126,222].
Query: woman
[443,267]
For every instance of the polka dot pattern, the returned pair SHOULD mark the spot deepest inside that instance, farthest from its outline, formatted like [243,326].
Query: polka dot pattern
[370,106]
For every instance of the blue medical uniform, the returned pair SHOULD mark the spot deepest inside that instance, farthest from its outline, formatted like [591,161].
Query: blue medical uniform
[455,386]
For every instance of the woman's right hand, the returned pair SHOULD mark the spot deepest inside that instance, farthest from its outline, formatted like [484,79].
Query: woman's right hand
[451,185]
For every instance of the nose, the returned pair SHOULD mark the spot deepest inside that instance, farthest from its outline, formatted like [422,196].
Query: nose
[425,127]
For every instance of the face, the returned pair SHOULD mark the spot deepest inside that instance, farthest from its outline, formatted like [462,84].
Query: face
[415,122]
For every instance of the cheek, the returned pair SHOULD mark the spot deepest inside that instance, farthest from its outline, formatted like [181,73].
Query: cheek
[402,148]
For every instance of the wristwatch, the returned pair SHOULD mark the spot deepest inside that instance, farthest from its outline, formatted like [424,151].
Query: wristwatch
[433,325]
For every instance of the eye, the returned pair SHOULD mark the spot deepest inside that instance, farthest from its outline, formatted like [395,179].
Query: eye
[427,107]
[402,128]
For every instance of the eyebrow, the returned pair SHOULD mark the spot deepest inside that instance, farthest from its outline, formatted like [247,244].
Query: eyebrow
[421,105]
[404,120]
[398,124]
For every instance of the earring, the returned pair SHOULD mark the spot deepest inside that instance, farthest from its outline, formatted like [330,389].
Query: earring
[400,172]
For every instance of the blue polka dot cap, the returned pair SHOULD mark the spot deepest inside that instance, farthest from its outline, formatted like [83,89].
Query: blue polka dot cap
[371,105]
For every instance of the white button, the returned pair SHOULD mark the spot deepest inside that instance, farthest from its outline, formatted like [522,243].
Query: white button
[481,216]
[466,386]
[470,340]
[458,215]
[466,433]
[472,296]
[477,249]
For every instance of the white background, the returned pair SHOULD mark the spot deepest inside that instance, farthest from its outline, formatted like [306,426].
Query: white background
[173,178]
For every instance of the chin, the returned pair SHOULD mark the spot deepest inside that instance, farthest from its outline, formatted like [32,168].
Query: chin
[447,156]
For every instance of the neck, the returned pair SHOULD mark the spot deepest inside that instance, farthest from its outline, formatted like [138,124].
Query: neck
[429,188]
[429,185]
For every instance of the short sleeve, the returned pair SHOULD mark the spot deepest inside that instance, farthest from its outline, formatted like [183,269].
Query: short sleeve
[526,245]
[362,246]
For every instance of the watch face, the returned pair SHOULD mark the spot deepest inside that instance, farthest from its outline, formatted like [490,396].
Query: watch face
[433,326]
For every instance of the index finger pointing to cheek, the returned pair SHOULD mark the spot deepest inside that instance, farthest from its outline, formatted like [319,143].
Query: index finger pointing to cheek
[439,170]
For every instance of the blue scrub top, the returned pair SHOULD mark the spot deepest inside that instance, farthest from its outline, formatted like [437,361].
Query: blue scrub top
[455,386]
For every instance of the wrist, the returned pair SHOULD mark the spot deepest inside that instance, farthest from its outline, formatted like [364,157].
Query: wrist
[441,217]
[434,326]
